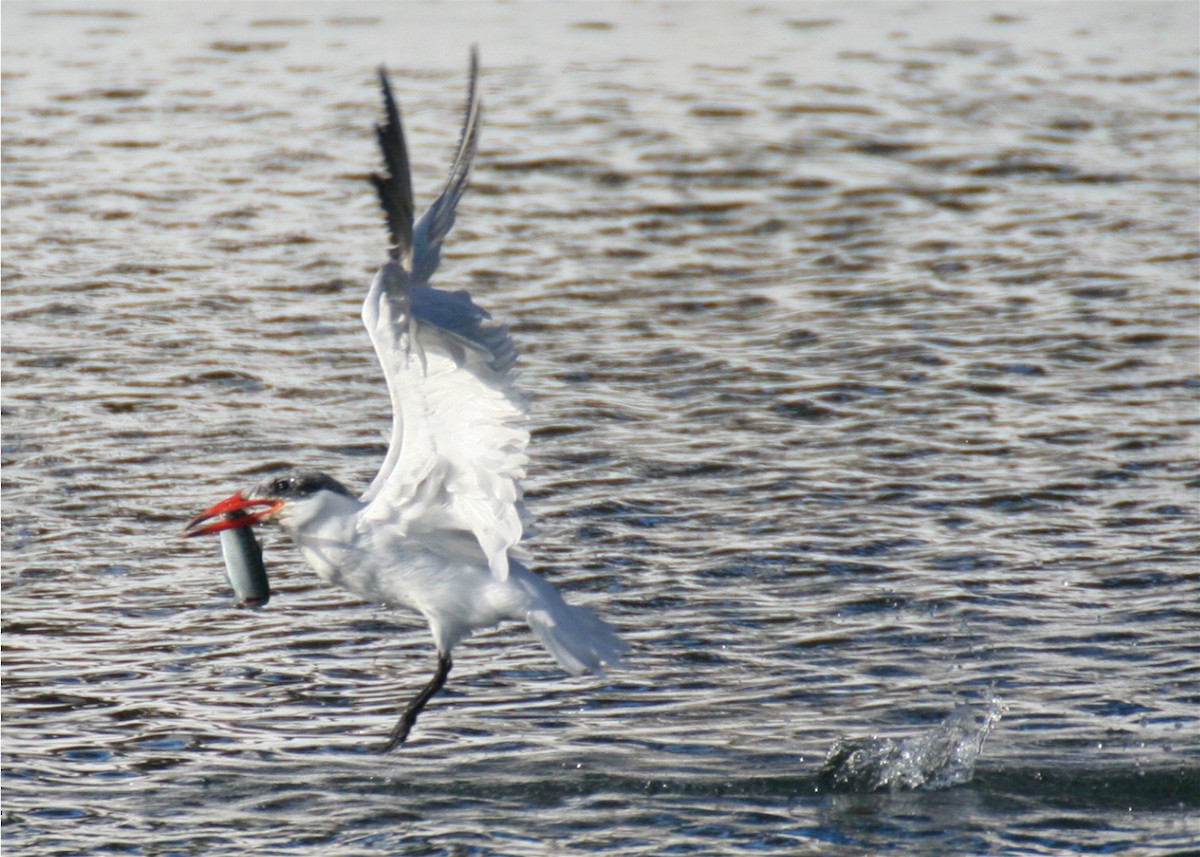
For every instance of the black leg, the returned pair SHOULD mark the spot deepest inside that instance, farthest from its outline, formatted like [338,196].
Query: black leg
[409,717]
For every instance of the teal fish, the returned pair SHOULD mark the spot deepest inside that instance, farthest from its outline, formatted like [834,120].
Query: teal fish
[244,567]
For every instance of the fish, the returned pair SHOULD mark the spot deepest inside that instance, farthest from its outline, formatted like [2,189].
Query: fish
[244,567]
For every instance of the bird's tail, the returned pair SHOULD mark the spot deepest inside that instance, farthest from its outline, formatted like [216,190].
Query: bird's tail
[579,639]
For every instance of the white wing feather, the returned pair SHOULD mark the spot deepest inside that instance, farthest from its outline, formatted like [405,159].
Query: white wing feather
[457,449]
[456,455]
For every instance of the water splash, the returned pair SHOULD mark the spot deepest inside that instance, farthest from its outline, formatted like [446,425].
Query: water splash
[942,757]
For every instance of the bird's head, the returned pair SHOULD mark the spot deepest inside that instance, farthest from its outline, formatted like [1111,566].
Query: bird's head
[291,499]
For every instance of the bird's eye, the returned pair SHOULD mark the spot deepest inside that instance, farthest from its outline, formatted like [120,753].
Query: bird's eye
[282,486]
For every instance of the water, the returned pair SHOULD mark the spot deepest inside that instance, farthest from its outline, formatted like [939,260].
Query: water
[936,758]
[863,344]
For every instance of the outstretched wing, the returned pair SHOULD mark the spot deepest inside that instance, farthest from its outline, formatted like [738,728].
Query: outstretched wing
[457,449]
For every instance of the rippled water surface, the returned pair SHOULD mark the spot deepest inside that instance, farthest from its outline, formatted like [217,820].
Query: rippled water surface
[863,345]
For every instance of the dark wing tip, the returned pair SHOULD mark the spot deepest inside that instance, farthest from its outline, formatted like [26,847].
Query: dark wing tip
[394,186]
[437,222]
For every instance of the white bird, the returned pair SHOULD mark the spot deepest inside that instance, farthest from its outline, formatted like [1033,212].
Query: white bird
[439,529]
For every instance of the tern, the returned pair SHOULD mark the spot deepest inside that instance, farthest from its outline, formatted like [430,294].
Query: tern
[439,528]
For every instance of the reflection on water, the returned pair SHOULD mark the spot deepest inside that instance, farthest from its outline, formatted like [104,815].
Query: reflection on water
[862,342]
